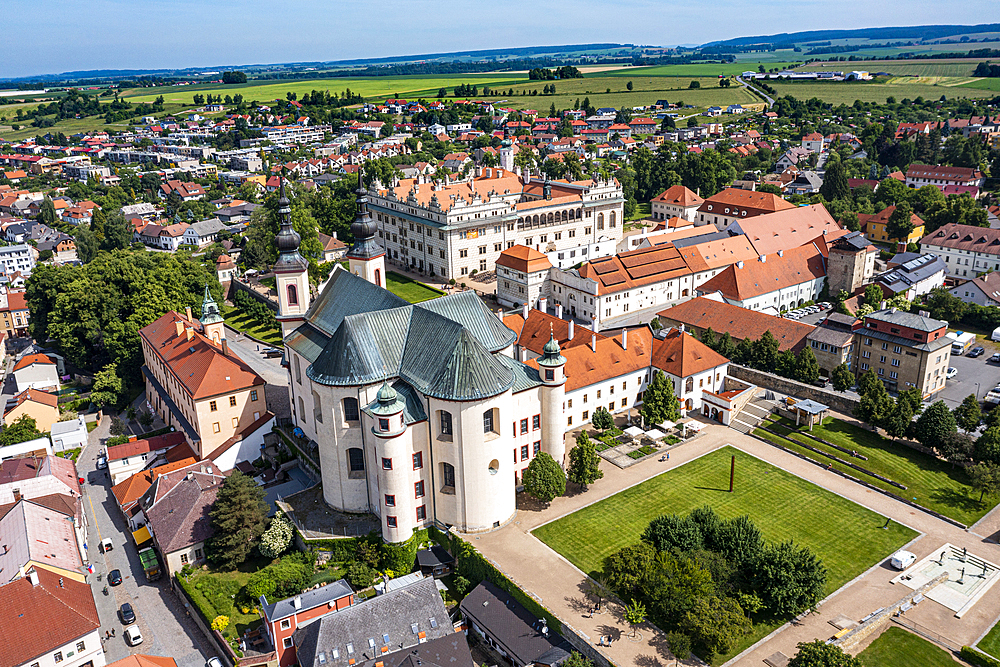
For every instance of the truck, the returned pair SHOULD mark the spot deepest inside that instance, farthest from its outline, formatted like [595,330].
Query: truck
[150,564]
[961,341]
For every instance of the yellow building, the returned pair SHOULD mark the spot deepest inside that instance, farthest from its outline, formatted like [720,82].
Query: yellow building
[40,405]
[14,314]
[874,226]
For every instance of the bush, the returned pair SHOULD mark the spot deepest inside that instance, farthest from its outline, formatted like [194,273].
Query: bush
[220,623]
[974,657]
[461,585]
[276,538]
[360,575]
[260,583]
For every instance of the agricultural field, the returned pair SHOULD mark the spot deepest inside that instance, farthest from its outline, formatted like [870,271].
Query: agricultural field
[982,84]
[842,92]
[936,68]
[698,69]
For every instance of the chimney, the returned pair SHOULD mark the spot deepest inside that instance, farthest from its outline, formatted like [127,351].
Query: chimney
[225,348]
[624,339]
[572,328]
[189,332]
[925,313]
[297,602]
[882,305]
[559,310]
[763,258]
[781,253]
[17,498]
[543,304]
[33,577]
[593,341]
[179,324]
[187,310]
[524,310]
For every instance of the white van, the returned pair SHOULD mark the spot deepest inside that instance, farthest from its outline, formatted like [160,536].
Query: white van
[902,559]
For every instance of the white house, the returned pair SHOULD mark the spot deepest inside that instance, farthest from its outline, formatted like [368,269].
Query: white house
[983,290]
[203,233]
[912,274]
[967,250]
[69,434]
[782,281]
[36,371]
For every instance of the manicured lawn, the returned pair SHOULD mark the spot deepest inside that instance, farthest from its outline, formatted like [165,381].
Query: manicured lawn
[933,483]
[411,290]
[898,648]
[847,537]
[237,320]
[643,210]
[991,642]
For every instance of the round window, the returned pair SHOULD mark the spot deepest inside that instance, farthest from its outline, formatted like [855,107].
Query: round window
[709,207]
[494,467]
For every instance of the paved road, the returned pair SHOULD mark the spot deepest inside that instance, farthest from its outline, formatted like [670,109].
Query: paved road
[165,626]
[770,100]
[276,377]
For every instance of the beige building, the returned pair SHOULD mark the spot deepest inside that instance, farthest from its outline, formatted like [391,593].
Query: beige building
[14,314]
[675,202]
[833,341]
[194,382]
[40,405]
[904,350]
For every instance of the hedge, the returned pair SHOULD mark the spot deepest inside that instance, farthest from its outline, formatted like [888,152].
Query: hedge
[977,657]
[401,557]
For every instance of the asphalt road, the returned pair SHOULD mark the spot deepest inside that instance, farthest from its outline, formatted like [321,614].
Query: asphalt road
[276,377]
[165,625]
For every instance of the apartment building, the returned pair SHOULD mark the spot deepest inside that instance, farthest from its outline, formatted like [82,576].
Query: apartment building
[919,175]
[14,314]
[904,350]
[17,258]
[967,250]
[460,229]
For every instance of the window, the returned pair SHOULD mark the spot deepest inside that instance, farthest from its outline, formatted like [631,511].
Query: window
[586,415]
[463,253]
[689,385]
[524,426]
[286,623]
[418,489]
[386,463]
[351,409]
[536,422]
[57,656]
[253,395]
[624,400]
[198,554]
[236,422]
[356,459]
[287,642]
[569,421]
[298,370]
[418,460]
[488,422]
[317,408]
[213,406]
[445,423]
[537,447]
[80,647]
[293,296]
[232,401]
[383,424]
[390,521]
[448,474]
[550,375]
[184,558]
[216,428]
[524,452]
[390,501]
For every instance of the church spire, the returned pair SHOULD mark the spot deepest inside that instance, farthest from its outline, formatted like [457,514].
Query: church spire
[209,309]
[363,228]
[287,239]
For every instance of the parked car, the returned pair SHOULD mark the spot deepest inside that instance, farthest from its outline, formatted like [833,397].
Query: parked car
[132,636]
[977,351]
[102,462]
[126,614]
[213,662]
[114,577]
[995,358]
[271,352]
[952,372]
[106,545]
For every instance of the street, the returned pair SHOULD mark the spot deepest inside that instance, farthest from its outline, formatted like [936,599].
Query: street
[160,616]
[276,377]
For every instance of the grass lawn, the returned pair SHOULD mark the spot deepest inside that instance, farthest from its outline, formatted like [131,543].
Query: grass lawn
[237,320]
[991,642]
[898,648]
[409,289]
[847,537]
[643,210]
[213,593]
[982,84]
[935,484]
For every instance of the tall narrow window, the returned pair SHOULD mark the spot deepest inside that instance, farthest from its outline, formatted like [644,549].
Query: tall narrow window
[356,459]
[298,369]
[448,474]
[378,277]
[351,409]
[293,295]
[317,408]
[445,423]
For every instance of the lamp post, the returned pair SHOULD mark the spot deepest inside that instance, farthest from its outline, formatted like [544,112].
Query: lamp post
[977,391]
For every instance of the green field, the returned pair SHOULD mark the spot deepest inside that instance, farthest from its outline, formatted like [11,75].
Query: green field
[409,289]
[696,69]
[847,537]
[991,642]
[898,648]
[982,84]
[933,483]
[899,67]
[844,92]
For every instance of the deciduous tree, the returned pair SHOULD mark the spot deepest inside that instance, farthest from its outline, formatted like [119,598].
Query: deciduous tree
[842,378]
[985,478]
[659,403]
[584,462]
[544,479]
[968,415]
[789,578]
[935,424]
[818,653]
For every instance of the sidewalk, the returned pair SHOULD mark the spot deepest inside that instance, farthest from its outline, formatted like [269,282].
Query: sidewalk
[559,585]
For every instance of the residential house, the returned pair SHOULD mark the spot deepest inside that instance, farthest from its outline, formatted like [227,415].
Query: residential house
[806,182]
[919,175]
[36,371]
[37,537]
[284,617]
[832,342]
[128,458]
[967,250]
[875,226]
[983,290]
[129,491]
[814,143]
[732,204]
[17,258]
[698,315]
[793,157]
[225,270]
[905,350]
[912,274]
[35,477]
[39,405]
[236,212]
[14,314]
[64,608]
[676,202]
[70,434]
[333,248]
[204,233]
[186,191]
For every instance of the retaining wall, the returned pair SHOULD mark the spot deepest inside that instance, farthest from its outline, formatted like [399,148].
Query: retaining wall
[878,621]
[835,399]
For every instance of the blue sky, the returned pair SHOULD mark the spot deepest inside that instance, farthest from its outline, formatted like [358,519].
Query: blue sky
[63,35]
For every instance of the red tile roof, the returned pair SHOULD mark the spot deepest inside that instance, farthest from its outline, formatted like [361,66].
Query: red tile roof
[140,660]
[34,395]
[679,195]
[682,355]
[633,268]
[29,359]
[585,367]
[534,333]
[524,259]
[37,619]
[702,313]
[754,278]
[739,201]
[137,447]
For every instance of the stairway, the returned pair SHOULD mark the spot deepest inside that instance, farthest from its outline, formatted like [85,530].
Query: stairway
[752,414]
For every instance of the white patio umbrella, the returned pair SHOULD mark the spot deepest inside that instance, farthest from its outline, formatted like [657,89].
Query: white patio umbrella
[667,425]
[633,431]
[655,434]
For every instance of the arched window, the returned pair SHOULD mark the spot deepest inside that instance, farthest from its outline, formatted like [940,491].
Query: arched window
[600,221]
[689,385]
[355,460]
[611,218]
[351,409]
[490,421]
[445,422]
[293,295]
[378,277]
[317,408]
[302,408]
[298,369]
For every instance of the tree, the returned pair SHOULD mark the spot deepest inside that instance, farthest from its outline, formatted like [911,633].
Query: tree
[694,84]
[898,420]
[943,305]
[739,540]
[987,446]
[875,404]
[900,224]
[628,567]
[957,448]
[22,429]
[968,415]
[107,386]
[679,645]
[850,220]
[806,367]
[708,338]
[544,479]
[873,295]
[985,478]
[597,586]
[635,615]
[818,653]
[602,419]
[765,351]
[577,660]
[117,232]
[238,516]
[835,182]
[47,212]
[935,424]
[789,578]
[669,531]
[584,463]
[628,85]
[716,624]
[87,245]
[842,377]
[659,403]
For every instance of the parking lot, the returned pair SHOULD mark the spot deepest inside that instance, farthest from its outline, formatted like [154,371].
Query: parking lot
[975,376]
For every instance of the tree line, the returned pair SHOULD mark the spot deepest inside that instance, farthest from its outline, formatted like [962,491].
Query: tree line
[764,354]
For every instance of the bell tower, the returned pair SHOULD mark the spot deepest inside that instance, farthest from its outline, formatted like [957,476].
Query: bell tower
[366,258]
[553,391]
[213,326]
[291,271]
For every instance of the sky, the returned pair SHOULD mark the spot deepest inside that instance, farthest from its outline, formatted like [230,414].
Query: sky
[55,36]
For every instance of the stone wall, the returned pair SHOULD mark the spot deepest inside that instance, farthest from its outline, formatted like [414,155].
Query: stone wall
[239,286]
[836,400]
[875,624]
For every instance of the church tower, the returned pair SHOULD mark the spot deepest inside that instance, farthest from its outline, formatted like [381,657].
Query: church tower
[366,257]
[213,326]
[291,271]
[553,391]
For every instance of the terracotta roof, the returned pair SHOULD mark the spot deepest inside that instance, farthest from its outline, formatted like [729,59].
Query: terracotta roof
[702,313]
[197,364]
[140,660]
[679,195]
[17,470]
[181,500]
[534,333]
[943,172]
[716,253]
[16,301]
[682,355]
[29,359]
[755,277]
[585,367]
[130,490]
[524,259]
[144,446]
[882,217]
[328,243]
[224,262]
[790,228]
[66,613]
[750,202]
[643,266]
[965,237]
[34,395]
